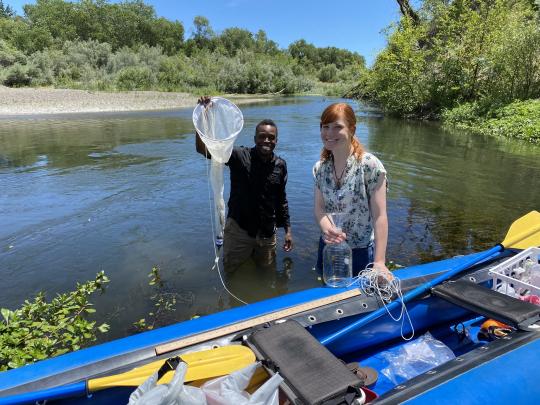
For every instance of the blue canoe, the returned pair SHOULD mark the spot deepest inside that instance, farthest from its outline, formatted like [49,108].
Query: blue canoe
[498,371]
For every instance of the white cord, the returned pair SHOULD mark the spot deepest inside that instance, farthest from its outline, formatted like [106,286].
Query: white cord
[212,223]
[372,281]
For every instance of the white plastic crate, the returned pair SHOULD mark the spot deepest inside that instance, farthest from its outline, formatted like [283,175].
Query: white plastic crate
[506,271]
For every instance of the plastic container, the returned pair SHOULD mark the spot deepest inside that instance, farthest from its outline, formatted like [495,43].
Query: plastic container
[337,259]
[337,265]
[519,275]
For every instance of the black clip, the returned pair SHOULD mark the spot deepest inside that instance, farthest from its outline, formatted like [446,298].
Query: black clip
[169,365]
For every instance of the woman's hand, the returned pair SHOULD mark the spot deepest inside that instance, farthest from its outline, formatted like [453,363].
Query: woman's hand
[331,234]
[383,271]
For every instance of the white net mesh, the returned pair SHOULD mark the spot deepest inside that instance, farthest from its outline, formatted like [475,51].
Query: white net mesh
[218,124]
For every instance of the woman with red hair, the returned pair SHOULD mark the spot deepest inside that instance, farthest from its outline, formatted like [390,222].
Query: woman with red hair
[350,181]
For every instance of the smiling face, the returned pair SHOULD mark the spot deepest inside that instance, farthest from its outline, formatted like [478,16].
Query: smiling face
[265,140]
[336,135]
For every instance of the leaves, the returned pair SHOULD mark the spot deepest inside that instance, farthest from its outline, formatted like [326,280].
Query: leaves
[461,52]
[41,329]
[520,119]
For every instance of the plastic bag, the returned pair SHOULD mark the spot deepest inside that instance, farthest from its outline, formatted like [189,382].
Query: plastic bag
[415,358]
[229,390]
[226,390]
[173,393]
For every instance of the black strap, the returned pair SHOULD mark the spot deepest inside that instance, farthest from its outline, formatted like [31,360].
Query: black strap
[347,398]
[169,365]
[271,365]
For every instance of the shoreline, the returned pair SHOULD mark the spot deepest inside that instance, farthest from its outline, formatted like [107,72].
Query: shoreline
[29,101]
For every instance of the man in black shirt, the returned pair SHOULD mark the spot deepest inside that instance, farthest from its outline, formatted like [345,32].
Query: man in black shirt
[258,201]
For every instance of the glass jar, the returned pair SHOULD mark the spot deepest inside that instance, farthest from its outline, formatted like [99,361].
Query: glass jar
[337,265]
[337,258]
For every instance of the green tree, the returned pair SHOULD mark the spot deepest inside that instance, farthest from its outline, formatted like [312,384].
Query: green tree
[235,39]
[6,11]
[398,75]
[456,52]
[56,16]
[130,23]
[303,52]
[169,35]
[264,45]
[25,37]
[202,32]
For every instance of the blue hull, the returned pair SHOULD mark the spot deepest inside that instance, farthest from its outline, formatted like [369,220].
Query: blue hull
[484,380]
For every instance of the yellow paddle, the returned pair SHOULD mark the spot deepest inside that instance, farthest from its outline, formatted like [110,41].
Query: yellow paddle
[523,233]
[201,365]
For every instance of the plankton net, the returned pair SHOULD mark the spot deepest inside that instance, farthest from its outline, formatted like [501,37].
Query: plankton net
[218,123]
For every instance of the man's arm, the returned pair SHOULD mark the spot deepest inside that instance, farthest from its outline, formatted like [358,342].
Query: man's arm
[200,147]
[282,212]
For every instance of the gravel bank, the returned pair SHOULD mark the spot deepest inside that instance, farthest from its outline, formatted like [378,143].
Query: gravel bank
[31,101]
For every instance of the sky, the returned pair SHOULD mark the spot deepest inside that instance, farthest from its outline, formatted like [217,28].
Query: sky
[357,25]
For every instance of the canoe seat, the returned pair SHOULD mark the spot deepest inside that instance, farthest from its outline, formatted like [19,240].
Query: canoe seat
[313,374]
[488,303]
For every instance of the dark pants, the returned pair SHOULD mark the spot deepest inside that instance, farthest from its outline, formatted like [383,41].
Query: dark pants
[361,257]
[238,247]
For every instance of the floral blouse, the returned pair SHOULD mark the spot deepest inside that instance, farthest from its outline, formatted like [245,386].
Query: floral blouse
[352,198]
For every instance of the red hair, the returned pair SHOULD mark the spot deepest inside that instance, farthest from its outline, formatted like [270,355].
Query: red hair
[341,111]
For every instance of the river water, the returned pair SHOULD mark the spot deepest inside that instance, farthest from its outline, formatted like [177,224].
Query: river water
[126,192]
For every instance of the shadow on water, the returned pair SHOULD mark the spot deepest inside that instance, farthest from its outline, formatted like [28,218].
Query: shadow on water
[125,192]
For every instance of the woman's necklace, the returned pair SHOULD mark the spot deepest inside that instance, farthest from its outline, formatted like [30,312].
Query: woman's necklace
[338,178]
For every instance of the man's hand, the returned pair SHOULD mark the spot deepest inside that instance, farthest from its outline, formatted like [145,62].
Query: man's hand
[288,245]
[204,100]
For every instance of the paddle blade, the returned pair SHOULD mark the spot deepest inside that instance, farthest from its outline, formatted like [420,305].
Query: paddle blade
[524,232]
[201,365]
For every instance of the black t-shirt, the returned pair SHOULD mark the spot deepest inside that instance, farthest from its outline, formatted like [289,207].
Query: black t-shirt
[258,202]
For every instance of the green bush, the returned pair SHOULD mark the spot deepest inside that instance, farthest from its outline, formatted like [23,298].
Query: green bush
[135,78]
[87,54]
[46,66]
[520,120]
[124,57]
[171,73]
[255,73]
[150,57]
[328,73]
[467,114]
[10,55]
[17,76]
[41,329]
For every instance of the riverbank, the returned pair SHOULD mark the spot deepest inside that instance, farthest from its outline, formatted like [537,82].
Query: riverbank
[36,101]
[519,120]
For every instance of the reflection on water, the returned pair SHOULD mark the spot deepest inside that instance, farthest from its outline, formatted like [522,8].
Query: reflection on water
[125,192]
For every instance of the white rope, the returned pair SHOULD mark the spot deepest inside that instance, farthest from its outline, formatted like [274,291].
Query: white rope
[375,282]
[212,223]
